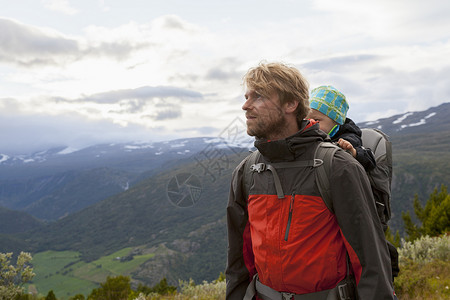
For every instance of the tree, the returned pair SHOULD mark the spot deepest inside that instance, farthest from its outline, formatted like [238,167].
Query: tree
[434,216]
[394,239]
[115,288]
[50,296]
[221,277]
[162,288]
[12,277]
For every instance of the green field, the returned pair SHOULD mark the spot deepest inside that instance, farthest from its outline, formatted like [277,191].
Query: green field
[65,273]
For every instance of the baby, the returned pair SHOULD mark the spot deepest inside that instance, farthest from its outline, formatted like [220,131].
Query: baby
[329,107]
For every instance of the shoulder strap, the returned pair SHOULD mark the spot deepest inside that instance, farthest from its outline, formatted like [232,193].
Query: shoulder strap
[248,172]
[325,152]
[322,163]
[251,166]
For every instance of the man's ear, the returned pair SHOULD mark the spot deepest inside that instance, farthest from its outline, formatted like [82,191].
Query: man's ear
[291,106]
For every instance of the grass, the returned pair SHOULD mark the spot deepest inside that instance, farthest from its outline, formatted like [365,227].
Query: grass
[65,273]
[116,267]
[51,274]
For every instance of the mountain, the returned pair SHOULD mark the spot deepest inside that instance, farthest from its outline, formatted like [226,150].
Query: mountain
[15,222]
[55,196]
[54,183]
[176,211]
[434,119]
[421,159]
[181,212]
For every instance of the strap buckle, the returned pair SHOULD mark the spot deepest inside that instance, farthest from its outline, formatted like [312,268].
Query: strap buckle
[317,162]
[261,167]
[344,293]
[287,296]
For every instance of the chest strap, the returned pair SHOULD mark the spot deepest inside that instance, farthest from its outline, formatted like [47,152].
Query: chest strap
[261,167]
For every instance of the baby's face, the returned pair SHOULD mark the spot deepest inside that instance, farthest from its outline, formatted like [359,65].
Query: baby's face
[325,123]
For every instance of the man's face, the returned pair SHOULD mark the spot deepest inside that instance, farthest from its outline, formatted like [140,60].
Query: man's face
[265,117]
[325,123]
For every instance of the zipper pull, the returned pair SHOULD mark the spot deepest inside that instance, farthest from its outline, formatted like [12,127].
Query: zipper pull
[291,209]
[291,206]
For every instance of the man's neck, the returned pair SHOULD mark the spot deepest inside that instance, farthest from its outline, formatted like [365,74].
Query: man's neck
[292,127]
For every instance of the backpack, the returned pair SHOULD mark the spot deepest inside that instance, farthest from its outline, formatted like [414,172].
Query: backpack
[380,177]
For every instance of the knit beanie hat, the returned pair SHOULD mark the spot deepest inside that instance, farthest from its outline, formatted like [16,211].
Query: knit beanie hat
[330,102]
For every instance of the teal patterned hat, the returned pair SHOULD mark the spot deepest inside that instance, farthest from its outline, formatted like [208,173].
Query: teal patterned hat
[330,102]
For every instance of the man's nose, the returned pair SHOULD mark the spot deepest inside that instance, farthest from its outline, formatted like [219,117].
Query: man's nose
[247,104]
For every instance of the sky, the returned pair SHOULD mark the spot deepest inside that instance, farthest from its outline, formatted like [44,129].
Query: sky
[78,73]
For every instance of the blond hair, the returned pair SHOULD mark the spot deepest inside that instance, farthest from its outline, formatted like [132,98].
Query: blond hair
[286,81]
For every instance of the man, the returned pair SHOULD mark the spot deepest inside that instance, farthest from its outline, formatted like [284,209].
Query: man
[291,246]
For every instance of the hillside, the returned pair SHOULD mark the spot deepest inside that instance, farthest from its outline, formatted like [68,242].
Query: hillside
[420,143]
[152,215]
[54,196]
[54,183]
[176,214]
[16,222]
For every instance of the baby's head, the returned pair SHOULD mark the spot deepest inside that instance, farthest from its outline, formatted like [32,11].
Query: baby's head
[328,107]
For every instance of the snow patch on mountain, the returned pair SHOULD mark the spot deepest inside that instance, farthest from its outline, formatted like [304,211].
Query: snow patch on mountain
[3,158]
[243,142]
[372,123]
[430,115]
[138,147]
[402,118]
[421,122]
[67,150]
[29,160]
[179,145]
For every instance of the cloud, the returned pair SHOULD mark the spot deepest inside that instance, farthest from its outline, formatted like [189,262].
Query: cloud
[174,22]
[206,130]
[27,45]
[119,50]
[390,91]
[141,68]
[225,69]
[341,62]
[125,106]
[62,6]
[28,133]
[167,114]
[143,93]
[30,46]
[401,21]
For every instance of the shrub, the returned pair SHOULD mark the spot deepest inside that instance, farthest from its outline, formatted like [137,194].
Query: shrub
[12,277]
[424,281]
[425,250]
[424,269]
[205,291]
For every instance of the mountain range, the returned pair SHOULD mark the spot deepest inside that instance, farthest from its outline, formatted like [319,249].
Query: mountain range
[54,183]
[169,198]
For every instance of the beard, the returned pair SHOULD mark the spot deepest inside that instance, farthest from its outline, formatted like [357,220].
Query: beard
[268,126]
